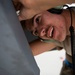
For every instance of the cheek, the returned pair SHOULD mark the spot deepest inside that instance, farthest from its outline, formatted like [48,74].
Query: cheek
[62,32]
[62,29]
[60,23]
[63,25]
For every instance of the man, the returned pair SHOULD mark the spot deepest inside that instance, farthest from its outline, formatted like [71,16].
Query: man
[54,28]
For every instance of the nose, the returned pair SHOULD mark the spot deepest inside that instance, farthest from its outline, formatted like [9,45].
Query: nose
[42,32]
[39,32]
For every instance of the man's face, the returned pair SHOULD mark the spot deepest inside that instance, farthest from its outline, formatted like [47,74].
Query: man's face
[48,26]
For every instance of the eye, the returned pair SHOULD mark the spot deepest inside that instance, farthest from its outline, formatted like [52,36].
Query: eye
[35,33]
[38,19]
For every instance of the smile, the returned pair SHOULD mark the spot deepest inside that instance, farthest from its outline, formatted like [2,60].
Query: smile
[50,32]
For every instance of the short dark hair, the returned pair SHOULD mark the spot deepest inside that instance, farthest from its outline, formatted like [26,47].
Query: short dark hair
[55,11]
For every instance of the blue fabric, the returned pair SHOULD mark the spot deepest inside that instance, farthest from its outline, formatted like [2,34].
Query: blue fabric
[68,63]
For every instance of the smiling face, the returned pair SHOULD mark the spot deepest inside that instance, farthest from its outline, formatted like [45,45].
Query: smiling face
[48,26]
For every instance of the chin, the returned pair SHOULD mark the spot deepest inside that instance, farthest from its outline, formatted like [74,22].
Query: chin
[61,39]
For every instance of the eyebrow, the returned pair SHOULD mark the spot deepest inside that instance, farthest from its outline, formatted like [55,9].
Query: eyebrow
[23,24]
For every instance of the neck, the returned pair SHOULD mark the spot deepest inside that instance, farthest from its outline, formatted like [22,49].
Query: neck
[67,16]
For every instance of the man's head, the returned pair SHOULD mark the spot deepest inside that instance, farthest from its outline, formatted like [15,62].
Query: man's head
[48,25]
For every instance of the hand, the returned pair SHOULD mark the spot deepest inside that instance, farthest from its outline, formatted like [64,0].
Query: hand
[29,8]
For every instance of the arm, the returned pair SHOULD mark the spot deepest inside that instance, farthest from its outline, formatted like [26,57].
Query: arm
[29,8]
[39,47]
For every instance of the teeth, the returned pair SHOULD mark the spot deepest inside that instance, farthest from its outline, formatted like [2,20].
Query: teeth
[51,31]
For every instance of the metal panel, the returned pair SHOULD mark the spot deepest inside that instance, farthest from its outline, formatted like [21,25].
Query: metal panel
[15,55]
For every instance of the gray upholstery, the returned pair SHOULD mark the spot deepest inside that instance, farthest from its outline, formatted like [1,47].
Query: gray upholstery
[15,55]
